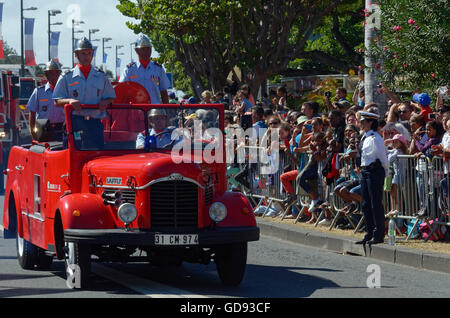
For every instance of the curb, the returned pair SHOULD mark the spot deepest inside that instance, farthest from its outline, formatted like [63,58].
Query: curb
[419,259]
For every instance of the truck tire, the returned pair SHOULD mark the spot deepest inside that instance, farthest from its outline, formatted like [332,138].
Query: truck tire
[231,260]
[26,253]
[44,262]
[77,264]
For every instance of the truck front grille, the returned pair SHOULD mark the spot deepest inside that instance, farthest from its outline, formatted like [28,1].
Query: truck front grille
[128,196]
[174,204]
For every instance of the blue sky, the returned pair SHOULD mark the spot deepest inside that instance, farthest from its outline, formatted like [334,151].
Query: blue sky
[97,14]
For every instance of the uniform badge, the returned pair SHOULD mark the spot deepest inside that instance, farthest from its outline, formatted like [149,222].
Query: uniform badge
[75,93]
[99,92]
[44,108]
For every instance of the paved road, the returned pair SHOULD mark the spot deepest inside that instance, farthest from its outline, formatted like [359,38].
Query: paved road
[276,269]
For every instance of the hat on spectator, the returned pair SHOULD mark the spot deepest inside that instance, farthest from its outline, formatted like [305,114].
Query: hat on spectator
[423,99]
[400,138]
[172,95]
[192,100]
[301,120]
[367,115]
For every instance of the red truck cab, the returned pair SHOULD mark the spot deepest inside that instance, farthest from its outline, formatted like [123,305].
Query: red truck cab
[105,204]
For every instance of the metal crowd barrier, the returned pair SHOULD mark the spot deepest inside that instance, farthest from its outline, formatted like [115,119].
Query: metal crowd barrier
[419,196]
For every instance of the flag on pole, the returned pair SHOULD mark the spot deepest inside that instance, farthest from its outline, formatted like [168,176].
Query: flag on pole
[118,63]
[2,56]
[54,41]
[29,52]
[105,56]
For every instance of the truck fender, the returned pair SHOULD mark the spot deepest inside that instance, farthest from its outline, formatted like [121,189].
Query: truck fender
[84,211]
[10,230]
[239,210]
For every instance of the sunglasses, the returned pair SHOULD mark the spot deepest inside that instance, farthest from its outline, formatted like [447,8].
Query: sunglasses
[403,112]
[274,123]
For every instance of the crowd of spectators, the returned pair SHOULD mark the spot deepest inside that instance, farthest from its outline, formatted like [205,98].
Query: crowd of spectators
[318,143]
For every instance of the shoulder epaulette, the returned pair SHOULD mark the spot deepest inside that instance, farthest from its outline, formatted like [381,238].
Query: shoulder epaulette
[42,86]
[100,70]
[131,64]
[157,64]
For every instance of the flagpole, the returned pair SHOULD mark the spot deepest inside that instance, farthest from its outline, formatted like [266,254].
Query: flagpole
[22,66]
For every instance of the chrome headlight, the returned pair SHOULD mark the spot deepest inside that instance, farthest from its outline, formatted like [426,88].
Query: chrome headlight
[127,213]
[217,211]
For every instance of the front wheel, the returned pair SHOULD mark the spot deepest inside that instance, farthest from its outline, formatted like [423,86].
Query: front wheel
[78,264]
[231,260]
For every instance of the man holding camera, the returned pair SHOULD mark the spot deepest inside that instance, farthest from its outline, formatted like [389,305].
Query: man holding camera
[341,103]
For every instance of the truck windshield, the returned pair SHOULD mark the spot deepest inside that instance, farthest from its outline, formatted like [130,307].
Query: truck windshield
[135,128]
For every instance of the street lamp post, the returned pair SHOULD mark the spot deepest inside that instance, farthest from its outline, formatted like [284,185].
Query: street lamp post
[22,66]
[103,48]
[77,23]
[92,31]
[51,13]
[117,55]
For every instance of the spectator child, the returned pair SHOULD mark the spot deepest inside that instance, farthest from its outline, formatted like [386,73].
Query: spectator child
[400,147]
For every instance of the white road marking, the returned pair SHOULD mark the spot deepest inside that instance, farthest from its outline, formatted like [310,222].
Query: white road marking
[143,286]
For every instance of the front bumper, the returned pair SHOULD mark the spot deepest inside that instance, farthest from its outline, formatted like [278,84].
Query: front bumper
[136,237]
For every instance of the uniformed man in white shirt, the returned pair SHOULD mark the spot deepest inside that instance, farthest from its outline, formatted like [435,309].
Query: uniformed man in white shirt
[374,168]
[41,106]
[148,73]
[86,85]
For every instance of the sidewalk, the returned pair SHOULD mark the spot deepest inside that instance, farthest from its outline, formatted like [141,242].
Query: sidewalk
[345,244]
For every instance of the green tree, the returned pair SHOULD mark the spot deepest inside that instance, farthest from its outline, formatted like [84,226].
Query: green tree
[211,38]
[414,43]
[11,56]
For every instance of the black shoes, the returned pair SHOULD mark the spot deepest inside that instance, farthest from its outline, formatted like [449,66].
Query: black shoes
[374,241]
[370,241]
[364,240]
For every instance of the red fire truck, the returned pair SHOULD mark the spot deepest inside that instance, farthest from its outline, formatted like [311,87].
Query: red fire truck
[108,202]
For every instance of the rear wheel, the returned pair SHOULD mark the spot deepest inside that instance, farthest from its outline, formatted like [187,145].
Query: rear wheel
[26,253]
[231,260]
[44,262]
[78,264]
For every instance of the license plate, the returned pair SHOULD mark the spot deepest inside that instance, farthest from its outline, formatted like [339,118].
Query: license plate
[176,239]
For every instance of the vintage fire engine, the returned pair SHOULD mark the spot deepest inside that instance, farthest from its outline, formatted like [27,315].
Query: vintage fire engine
[162,204]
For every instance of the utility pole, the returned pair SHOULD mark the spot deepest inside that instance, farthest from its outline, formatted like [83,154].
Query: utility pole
[372,94]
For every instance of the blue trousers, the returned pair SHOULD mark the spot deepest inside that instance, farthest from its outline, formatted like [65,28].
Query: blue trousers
[88,133]
[372,182]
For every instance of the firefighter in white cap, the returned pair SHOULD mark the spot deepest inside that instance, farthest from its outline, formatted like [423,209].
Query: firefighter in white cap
[42,109]
[87,85]
[148,73]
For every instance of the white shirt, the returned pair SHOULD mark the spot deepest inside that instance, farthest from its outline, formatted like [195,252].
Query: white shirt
[445,145]
[373,148]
